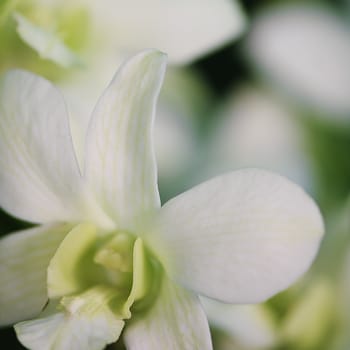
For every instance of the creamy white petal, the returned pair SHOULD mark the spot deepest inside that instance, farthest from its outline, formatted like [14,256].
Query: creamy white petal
[184,29]
[120,162]
[24,258]
[39,175]
[85,322]
[175,321]
[240,237]
[59,332]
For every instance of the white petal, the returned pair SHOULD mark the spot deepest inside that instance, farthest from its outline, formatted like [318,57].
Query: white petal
[78,328]
[39,175]
[120,161]
[24,258]
[240,237]
[184,29]
[175,321]
[306,51]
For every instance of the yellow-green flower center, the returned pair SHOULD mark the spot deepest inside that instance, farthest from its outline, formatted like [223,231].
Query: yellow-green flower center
[116,257]
[115,268]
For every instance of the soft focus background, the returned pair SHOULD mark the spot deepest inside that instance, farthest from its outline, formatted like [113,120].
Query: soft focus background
[250,84]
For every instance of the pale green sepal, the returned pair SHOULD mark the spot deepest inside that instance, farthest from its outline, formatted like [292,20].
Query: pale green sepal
[120,165]
[24,258]
[47,44]
[86,322]
[66,270]
[175,321]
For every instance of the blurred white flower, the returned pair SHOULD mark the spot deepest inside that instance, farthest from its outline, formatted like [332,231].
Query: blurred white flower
[183,29]
[305,50]
[255,129]
[249,326]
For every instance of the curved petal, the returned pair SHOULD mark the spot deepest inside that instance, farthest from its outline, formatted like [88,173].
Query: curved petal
[39,175]
[120,163]
[24,258]
[184,29]
[175,321]
[141,278]
[57,332]
[79,322]
[240,237]
[70,263]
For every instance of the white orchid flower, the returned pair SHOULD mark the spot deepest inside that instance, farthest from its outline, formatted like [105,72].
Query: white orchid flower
[106,255]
